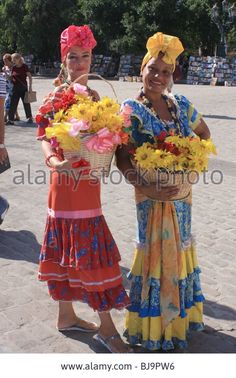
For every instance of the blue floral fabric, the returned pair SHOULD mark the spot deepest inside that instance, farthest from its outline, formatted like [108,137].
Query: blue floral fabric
[145,125]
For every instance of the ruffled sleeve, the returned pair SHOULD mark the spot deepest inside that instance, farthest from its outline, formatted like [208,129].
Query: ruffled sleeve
[136,110]
[192,114]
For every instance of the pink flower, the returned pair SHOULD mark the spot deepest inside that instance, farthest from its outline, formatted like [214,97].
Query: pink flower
[101,142]
[127,109]
[54,142]
[80,89]
[126,113]
[117,139]
[77,126]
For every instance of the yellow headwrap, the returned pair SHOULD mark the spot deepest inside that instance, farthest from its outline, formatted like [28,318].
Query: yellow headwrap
[169,45]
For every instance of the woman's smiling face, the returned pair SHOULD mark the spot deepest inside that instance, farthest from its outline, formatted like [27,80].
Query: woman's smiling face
[156,75]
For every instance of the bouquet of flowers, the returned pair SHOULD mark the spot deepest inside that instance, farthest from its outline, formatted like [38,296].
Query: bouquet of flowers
[174,159]
[84,128]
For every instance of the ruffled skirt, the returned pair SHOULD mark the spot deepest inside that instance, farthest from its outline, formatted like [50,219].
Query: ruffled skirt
[79,260]
[166,297]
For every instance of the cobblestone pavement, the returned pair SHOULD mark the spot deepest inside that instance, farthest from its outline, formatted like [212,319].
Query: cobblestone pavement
[27,315]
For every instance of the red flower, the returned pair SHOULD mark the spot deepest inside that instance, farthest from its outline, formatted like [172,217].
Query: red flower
[170,147]
[124,137]
[80,164]
[46,108]
[161,145]
[132,151]
[57,106]
[41,120]
[68,99]
[162,135]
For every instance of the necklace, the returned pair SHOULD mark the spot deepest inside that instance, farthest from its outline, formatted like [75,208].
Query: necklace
[170,106]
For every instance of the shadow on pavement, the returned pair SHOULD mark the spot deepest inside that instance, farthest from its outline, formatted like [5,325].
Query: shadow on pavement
[218,116]
[219,311]
[19,245]
[23,124]
[126,282]
[211,341]
[227,168]
[207,341]
[87,339]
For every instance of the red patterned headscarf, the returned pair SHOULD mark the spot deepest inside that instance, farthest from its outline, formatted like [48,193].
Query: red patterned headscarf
[81,36]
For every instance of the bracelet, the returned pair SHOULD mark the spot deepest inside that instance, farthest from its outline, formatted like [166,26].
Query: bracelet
[47,162]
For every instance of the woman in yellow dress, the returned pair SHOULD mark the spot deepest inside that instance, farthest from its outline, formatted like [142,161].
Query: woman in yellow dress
[166,297]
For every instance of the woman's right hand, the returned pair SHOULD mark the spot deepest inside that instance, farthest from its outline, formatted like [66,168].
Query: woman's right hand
[158,192]
[64,165]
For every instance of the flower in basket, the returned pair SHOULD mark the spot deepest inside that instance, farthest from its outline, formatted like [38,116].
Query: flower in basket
[72,115]
[175,153]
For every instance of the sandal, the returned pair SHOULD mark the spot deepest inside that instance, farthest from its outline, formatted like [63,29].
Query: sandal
[77,327]
[106,342]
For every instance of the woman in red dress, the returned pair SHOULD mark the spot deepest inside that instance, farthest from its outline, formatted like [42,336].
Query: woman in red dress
[79,258]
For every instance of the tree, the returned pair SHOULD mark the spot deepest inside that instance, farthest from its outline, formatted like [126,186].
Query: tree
[34,26]
[104,17]
[11,16]
[120,26]
[46,19]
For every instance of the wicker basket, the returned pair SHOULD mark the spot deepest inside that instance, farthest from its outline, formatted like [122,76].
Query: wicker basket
[99,164]
[182,179]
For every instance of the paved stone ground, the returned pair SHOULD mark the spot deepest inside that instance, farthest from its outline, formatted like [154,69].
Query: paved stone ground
[27,315]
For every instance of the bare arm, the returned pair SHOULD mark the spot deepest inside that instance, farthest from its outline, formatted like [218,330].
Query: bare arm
[55,161]
[95,95]
[202,130]
[125,166]
[153,191]
[30,80]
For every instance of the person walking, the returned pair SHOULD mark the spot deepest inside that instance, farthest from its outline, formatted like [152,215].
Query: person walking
[7,70]
[20,73]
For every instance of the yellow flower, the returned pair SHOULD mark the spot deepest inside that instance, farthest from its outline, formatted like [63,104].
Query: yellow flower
[59,116]
[193,154]
[144,156]
[209,146]
[60,132]
[109,104]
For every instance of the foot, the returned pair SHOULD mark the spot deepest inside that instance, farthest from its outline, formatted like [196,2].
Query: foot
[30,120]
[17,118]
[113,343]
[4,206]
[89,326]
[10,122]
